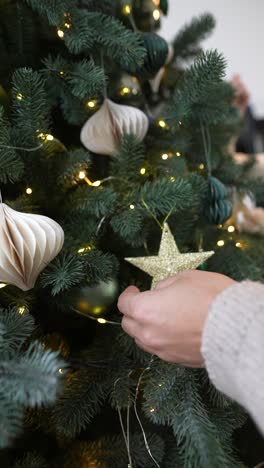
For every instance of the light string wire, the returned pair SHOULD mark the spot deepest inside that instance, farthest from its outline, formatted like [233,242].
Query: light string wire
[207,146]
[147,369]
[126,433]
[108,322]
[20,148]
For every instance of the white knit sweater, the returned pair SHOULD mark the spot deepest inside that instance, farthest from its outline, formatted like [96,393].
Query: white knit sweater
[233,346]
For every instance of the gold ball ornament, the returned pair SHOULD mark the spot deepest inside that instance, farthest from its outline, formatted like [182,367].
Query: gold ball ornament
[94,301]
[102,132]
[28,243]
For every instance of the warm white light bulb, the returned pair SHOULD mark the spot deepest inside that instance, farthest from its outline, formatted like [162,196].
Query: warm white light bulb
[91,104]
[126,9]
[161,123]
[165,156]
[156,14]
[221,243]
[29,191]
[101,320]
[231,228]
[132,207]
[49,137]
[125,91]
[60,33]
[82,175]
[21,310]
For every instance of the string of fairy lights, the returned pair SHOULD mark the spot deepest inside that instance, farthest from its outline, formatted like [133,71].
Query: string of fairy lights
[83,176]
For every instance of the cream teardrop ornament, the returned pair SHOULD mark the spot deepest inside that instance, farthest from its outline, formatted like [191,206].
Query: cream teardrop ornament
[28,242]
[102,132]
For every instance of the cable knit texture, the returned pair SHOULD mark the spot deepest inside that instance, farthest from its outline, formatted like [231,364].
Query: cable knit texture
[233,346]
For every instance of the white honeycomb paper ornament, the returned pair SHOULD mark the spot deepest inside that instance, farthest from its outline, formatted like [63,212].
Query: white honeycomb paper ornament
[28,242]
[102,132]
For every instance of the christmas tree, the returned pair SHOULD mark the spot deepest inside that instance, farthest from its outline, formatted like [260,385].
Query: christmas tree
[115,134]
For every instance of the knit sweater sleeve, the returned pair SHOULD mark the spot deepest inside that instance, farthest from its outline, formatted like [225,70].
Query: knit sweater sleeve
[233,346]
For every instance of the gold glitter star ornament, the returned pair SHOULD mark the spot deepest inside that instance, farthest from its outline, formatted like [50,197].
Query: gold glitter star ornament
[169,261]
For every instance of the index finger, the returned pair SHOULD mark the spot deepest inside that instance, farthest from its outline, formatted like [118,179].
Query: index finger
[125,300]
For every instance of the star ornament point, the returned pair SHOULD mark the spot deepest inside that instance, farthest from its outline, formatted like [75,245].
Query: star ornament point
[169,260]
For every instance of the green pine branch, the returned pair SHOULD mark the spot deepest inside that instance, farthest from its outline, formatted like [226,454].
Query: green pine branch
[196,434]
[235,263]
[112,452]
[117,42]
[11,166]
[187,42]
[63,273]
[74,111]
[79,403]
[128,161]
[130,226]
[11,420]
[31,110]
[100,266]
[203,96]
[54,10]
[98,202]
[85,79]
[120,44]
[31,378]
[105,6]
[15,329]
[31,460]
[76,161]
[164,196]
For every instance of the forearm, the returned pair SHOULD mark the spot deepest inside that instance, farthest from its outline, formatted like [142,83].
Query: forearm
[233,346]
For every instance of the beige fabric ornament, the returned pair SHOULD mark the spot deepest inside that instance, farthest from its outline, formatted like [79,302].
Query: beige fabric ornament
[257,171]
[248,217]
[28,243]
[103,130]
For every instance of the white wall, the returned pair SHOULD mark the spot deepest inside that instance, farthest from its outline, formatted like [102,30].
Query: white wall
[239,35]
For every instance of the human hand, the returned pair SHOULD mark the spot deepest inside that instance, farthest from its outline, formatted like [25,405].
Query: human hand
[241,99]
[169,320]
